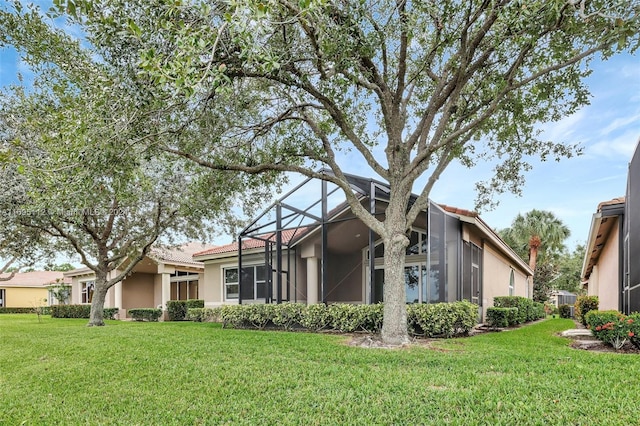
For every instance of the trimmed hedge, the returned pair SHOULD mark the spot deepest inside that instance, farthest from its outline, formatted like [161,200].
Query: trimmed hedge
[442,319]
[45,310]
[528,310]
[203,314]
[501,317]
[583,305]
[430,320]
[78,311]
[177,309]
[564,311]
[142,314]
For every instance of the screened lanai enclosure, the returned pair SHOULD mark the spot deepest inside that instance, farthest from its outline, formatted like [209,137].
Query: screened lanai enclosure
[309,247]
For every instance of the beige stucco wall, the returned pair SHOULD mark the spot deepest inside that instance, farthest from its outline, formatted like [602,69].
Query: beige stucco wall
[604,278]
[24,297]
[138,291]
[496,275]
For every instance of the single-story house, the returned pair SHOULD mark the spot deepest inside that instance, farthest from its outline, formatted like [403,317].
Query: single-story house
[165,274]
[601,274]
[611,269]
[562,297]
[303,251]
[27,289]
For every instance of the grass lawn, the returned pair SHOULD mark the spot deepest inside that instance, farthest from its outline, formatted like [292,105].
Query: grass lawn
[61,372]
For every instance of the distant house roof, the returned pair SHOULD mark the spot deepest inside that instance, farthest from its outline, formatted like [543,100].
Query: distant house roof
[563,293]
[179,255]
[32,279]
[601,228]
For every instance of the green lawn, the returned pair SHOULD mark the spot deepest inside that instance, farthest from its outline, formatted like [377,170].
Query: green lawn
[61,372]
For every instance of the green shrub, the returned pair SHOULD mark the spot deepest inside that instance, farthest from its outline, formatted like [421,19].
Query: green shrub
[195,314]
[16,310]
[287,315]
[258,315]
[372,317]
[345,317]
[70,311]
[441,319]
[611,327]
[148,314]
[524,305]
[315,317]
[202,314]
[177,309]
[634,329]
[564,311]
[583,305]
[235,316]
[194,303]
[538,311]
[79,311]
[501,317]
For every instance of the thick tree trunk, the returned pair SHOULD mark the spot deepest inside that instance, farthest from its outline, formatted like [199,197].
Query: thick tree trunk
[394,325]
[96,317]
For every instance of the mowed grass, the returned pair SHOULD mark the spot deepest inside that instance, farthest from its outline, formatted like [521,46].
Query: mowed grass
[62,372]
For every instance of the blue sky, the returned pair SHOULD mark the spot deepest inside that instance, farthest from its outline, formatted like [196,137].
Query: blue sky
[608,129]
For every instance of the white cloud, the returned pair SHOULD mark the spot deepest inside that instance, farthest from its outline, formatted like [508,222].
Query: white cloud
[621,122]
[621,146]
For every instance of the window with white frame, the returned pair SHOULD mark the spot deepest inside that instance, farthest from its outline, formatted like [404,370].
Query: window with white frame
[254,282]
[86,291]
[2,297]
[231,283]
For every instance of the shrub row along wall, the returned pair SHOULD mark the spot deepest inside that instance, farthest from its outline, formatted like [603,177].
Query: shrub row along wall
[78,311]
[508,311]
[177,309]
[44,310]
[145,314]
[429,320]
[614,328]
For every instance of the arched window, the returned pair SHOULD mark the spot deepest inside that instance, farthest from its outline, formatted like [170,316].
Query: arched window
[512,283]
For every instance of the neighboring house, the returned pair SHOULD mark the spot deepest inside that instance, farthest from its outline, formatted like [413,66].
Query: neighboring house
[601,272]
[27,289]
[611,269]
[302,251]
[163,275]
[563,297]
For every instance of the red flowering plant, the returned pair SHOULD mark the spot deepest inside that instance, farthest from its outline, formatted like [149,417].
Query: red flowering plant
[633,321]
[612,327]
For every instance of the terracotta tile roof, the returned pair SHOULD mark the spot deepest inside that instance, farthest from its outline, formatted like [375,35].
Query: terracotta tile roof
[617,200]
[456,210]
[32,279]
[287,236]
[180,254]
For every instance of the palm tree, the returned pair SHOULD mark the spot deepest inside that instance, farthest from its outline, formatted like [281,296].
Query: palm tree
[537,232]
